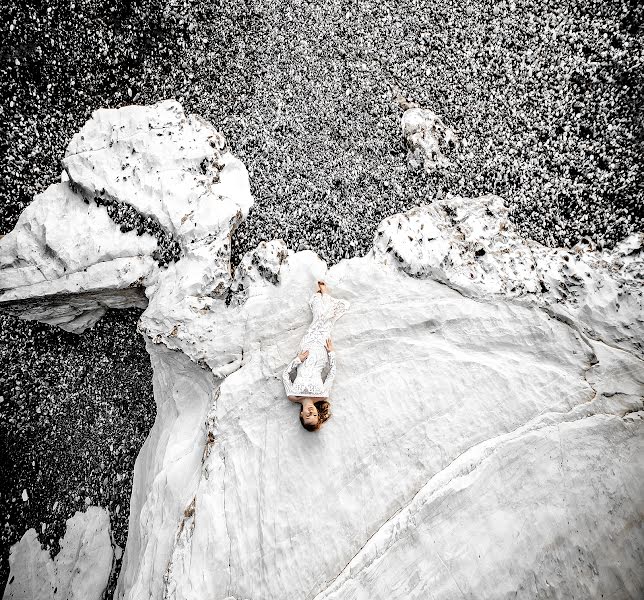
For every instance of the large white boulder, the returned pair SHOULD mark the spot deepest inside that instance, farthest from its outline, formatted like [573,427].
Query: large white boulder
[431,386]
[80,570]
[66,261]
[486,432]
[166,164]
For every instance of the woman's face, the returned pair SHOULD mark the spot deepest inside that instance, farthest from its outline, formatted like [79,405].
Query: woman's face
[309,414]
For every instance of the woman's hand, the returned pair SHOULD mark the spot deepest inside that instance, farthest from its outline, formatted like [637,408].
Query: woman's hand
[329,345]
[303,355]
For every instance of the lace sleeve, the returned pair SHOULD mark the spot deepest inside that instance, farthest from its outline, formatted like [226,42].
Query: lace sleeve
[328,382]
[286,375]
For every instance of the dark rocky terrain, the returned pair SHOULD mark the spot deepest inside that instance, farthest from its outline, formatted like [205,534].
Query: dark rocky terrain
[547,97]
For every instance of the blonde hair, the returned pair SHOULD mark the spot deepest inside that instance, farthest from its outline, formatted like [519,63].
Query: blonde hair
[324,414]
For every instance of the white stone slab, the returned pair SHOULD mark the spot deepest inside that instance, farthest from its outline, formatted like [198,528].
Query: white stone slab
[78,572]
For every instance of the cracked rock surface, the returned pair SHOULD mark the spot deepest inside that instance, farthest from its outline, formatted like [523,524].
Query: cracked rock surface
[486,432]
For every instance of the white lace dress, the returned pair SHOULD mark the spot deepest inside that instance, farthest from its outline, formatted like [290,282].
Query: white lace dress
[308,382]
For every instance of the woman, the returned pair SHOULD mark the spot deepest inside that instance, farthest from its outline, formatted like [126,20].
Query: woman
[316,351]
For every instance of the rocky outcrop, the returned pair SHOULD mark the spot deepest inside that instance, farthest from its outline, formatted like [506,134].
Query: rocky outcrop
[171,169]
[471,245]
[486,409]
[429,141]
[66,261]
[435,393]
[78,572]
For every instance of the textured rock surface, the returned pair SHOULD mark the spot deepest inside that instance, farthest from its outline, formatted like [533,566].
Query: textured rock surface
[58,234]
[425,376]
[163,162]
[78,572]
[65,246]
[487,429]
[427,138]
[469,244]
[517,519]
[169,167]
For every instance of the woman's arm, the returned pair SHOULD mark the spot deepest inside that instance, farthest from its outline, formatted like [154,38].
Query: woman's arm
[286,375]
[328,382]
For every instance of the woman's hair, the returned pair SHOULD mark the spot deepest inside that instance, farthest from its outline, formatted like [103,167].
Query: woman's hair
[324,414]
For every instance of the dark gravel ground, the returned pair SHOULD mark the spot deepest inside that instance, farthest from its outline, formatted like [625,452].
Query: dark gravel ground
[547,97]
[74,412]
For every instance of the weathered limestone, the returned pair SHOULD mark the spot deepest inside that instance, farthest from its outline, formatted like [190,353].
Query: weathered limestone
[169,167]
[66,261]
[470,244]
[486,437]
[78,572]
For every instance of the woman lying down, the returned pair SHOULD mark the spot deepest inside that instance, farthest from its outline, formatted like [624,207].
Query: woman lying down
[315,352]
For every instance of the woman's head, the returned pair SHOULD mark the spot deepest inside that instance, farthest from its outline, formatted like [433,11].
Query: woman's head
[314,414]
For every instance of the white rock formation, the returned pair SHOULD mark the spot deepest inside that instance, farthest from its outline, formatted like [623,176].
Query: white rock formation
[175,168]
[470,245]
[427,138]
[487,434]
[166,165]
[62,246]
[78,572]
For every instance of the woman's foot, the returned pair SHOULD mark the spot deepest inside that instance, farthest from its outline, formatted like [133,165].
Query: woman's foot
[322,287]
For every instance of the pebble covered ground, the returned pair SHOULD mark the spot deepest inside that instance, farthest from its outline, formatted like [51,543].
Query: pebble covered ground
[74,412]
[545,96]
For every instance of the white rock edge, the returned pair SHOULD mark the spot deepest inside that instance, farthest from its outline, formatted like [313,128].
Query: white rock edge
[81,569]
